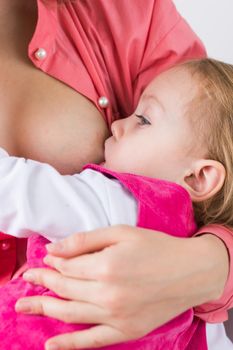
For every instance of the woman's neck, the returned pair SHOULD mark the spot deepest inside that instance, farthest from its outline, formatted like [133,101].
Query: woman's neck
[10,6]
[17,22]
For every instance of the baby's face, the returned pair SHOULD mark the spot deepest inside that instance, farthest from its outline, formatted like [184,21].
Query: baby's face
[156,140]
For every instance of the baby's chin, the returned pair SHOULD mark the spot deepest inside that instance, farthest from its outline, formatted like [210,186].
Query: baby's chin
[112,167]
[106,165]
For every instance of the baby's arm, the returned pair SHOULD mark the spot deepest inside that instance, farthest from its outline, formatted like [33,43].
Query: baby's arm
[34,197]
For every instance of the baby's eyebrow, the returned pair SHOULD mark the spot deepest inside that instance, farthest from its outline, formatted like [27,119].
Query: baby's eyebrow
[154,98]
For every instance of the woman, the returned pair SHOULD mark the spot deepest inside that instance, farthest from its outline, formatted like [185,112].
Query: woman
[105,52]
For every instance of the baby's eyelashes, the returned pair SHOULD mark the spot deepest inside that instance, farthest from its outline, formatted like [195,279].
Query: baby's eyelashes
[143,120]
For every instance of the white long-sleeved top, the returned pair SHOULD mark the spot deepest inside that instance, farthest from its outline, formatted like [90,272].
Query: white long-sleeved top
[35,198]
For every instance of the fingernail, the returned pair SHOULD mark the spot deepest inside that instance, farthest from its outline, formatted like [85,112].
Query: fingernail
[28,276]
[52,346]
[46,260]
[49,247]
[23,306]
[54,247]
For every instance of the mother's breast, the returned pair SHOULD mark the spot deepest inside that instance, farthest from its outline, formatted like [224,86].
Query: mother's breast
[44,119]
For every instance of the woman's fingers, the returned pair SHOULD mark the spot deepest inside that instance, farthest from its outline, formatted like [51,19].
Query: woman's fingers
[135,285]
[86,267]
[67,311]
[64,287]
[92,338]
[86,242]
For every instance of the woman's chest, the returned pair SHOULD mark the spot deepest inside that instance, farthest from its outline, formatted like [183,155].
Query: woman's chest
[42,118]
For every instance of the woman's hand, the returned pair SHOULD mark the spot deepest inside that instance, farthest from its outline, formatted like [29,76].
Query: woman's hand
[125,280]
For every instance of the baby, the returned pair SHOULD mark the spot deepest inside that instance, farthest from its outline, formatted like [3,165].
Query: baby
[178,143]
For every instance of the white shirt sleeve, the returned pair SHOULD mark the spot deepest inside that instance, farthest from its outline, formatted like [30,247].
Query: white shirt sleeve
[34,197]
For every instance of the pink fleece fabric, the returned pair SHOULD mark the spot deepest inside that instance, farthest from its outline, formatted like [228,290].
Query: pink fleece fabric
[161,206]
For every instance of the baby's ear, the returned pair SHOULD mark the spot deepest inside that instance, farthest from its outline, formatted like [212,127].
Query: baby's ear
[204,180]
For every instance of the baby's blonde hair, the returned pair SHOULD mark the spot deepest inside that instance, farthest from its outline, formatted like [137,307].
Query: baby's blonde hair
[212,115]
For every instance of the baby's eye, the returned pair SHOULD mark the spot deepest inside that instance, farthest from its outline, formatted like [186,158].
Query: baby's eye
[143,120]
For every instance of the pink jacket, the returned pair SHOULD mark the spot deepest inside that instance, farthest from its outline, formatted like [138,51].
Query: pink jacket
[156,210]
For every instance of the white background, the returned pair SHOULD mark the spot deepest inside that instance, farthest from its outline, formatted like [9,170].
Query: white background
[212,20]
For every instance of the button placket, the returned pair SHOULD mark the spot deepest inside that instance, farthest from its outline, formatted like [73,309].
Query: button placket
[5,245]
[41,54]
[103,102]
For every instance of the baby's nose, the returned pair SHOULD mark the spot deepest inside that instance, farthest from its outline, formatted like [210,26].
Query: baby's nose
[117,129]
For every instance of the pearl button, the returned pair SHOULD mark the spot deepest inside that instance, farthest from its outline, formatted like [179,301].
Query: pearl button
[103,102]
[5,245]
[41,54]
